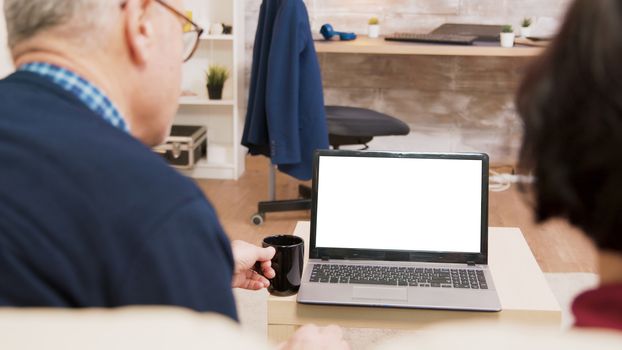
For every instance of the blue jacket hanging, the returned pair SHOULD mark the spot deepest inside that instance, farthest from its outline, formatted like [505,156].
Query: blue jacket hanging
[286,120]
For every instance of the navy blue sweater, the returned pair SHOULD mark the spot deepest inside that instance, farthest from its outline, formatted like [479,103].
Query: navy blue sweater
[286,119]
[90,217]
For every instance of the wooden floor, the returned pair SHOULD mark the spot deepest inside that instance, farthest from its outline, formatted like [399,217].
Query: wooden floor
[556,246]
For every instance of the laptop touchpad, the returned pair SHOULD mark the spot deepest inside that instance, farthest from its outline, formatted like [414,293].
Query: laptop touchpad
[386,293]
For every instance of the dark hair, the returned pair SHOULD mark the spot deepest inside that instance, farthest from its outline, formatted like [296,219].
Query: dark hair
[571,106]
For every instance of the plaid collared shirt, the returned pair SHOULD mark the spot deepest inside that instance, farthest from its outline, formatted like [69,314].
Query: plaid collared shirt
[91,96]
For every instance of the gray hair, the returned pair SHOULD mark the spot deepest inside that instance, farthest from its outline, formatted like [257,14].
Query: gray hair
[27,18]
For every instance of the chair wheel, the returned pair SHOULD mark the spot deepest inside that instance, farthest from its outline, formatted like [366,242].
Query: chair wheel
[258,219]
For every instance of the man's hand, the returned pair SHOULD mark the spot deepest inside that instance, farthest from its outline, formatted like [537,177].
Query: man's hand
[245,255]
[312,337]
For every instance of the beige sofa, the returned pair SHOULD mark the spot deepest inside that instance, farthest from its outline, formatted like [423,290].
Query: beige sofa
[135,328]
[154,328]
[492,336]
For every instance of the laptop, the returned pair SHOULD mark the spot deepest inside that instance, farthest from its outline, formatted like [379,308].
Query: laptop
[483,32]
[399,230]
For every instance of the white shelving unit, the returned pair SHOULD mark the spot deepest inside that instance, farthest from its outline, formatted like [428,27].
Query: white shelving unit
[217,37]
[203,101]
[222,118]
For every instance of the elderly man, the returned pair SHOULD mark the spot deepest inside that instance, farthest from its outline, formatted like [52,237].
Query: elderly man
[90,216]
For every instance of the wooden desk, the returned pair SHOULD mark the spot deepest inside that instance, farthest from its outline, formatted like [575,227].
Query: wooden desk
[523,291]
[365,45]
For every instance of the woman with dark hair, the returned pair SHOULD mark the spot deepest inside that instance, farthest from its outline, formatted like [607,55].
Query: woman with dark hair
[571,106]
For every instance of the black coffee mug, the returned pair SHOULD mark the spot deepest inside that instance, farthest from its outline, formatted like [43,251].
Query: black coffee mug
[287,263]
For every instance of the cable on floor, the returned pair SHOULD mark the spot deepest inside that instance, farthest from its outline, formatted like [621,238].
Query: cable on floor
[499,182]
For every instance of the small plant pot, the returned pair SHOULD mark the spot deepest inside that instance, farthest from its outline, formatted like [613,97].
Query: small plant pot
[525,32]
[214,92]
[507,39]
[374,31]
[216,29]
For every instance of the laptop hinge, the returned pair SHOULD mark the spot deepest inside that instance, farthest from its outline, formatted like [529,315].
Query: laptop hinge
[325,258]
[471,263]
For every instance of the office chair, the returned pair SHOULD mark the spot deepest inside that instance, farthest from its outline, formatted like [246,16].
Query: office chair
[358,126]
[346,126]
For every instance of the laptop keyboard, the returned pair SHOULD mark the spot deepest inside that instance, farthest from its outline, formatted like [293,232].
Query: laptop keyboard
[399,276]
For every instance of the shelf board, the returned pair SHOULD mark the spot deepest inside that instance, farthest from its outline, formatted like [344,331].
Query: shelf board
[203,163]
[218,37]
[206,170]
[366,45]
[202,101]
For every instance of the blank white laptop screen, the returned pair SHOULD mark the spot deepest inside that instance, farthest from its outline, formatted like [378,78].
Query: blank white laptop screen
[399,204]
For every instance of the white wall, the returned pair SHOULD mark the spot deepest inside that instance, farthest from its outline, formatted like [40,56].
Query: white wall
[6,66]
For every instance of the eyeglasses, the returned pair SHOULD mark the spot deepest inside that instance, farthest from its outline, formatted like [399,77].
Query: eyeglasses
[191,31]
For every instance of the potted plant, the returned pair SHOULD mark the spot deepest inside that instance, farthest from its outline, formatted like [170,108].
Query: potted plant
[374,27]
[525,28]
[216,77]
[507,36]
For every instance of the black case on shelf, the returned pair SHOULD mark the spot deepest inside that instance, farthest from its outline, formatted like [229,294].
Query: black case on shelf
[186,145]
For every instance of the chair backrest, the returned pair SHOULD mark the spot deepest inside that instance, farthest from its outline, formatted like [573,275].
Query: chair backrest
[495,336]
[131,328]
[155,328]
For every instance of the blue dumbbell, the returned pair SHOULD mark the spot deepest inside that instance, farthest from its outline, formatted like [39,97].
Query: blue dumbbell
[328,32]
